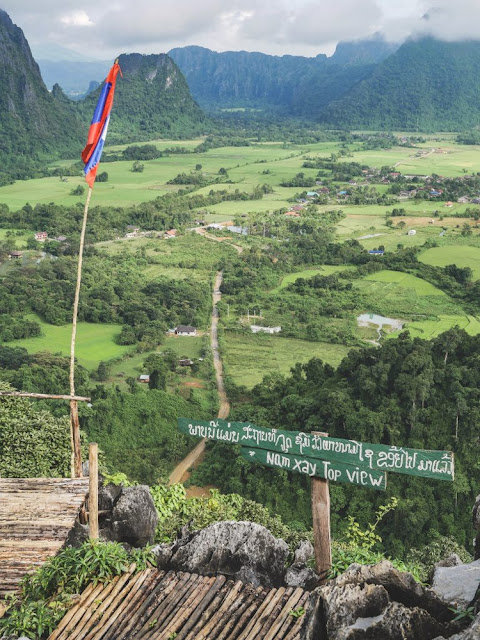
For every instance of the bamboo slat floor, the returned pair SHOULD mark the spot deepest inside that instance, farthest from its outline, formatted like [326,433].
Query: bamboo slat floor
[155,605]
[36,515]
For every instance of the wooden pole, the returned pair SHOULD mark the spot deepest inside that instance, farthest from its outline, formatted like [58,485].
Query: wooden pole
[76,466]
[321,524]
[93,491]
[46,396]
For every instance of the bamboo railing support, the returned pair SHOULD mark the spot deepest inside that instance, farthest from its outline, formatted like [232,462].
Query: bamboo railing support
[93,491]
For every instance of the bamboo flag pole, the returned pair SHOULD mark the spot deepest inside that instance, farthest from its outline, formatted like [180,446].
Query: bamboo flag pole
[91,157]
[76,463]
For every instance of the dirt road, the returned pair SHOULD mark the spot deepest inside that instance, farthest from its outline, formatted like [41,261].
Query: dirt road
[201,231]
[180,473]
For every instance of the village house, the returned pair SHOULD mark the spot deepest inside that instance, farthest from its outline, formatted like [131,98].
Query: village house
[185,330]
[463,200]
[257,329]
[41,236]
[15,255]
[144,378]
[376,252]
[185,362]
[171,234]
[60,239]
[312,194]
[292,214]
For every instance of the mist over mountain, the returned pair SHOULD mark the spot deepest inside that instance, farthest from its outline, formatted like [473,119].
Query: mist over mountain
[427,84]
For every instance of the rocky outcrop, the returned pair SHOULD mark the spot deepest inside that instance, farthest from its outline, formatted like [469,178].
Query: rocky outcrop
[458,585]
[376,603]
[126,514]
[239,550]
[472,633]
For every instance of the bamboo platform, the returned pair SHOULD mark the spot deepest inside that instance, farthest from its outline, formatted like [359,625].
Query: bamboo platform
[156,605]
[36,516]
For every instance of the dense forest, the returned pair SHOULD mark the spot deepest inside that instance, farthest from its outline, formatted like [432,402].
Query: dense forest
[415,393]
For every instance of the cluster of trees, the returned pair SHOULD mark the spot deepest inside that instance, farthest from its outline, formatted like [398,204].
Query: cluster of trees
[170,211]
[300,180]
[113,291]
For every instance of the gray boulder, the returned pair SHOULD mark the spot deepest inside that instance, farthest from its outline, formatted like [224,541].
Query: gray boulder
[108,496]
[457,585]
[239,550]
[304,552]
[298,575]
[163,554]
[134,517]
[476,526]
[397,622]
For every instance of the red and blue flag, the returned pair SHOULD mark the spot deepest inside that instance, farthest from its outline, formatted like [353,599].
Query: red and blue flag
[98,128]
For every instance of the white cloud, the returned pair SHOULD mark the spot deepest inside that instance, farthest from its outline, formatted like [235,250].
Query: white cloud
[77,18]
[301,27]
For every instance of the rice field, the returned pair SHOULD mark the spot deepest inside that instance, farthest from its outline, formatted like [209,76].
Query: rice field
[429,329]
[462,256]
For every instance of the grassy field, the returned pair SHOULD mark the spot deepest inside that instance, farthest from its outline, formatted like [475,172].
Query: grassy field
[429,329]
[443,158]
[404,296]
[190,255]
[95,342]
[248,358]
[406,281]
[462,256]
[325,270]
[19,237]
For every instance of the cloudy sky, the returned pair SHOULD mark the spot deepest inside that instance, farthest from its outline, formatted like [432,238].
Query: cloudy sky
[300,27]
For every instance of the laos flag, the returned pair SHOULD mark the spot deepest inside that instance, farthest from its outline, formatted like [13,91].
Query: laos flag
[98,129]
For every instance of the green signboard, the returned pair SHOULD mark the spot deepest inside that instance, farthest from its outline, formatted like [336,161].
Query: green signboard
[415,462]
[333,471]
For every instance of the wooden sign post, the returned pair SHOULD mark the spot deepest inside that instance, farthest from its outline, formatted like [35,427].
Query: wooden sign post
[321,525]
[323,459]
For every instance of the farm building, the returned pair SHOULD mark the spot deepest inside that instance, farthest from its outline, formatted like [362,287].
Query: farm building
[411,232]
[185,330]
[376,252]
[257,329]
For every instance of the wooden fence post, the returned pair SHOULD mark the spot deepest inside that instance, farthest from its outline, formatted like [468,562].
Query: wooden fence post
[321,524]
[93,491]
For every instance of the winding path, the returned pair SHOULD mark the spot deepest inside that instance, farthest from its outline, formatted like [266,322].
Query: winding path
[180,473]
